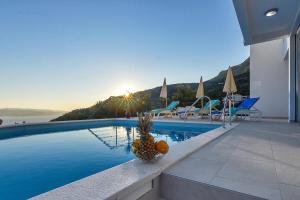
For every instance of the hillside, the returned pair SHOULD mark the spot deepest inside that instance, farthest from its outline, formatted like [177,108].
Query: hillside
[213,87]
[148,99]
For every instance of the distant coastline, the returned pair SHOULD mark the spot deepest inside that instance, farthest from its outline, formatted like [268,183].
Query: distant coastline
[19,112]
[12,116]
[12,120]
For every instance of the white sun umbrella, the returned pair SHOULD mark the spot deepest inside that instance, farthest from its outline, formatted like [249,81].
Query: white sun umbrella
[164,91]
[229,88]
[200,91]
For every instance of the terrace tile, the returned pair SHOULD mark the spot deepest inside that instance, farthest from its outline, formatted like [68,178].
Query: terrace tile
[289,192]
[208,168]
[255,158]
[251,171]
[248,187]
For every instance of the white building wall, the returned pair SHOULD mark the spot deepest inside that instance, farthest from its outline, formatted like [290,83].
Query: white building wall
[269,78]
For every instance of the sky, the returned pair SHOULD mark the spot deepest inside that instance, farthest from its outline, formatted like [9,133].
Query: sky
[67,54]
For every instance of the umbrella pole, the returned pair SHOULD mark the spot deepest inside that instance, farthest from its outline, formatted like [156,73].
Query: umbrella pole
[230,111]
[232,100]
[224,108]
[166,102]
[209,108]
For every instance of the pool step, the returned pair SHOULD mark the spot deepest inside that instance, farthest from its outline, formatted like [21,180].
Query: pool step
[178,188]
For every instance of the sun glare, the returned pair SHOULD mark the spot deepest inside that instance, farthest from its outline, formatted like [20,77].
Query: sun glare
[125,89]
[127,94]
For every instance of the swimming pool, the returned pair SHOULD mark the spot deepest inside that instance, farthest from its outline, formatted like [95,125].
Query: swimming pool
[38,158]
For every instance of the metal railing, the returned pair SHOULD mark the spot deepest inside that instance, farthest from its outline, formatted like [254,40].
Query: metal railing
[193,105]
[227,101]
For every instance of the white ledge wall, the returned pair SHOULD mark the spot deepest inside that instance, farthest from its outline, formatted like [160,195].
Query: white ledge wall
[269,78]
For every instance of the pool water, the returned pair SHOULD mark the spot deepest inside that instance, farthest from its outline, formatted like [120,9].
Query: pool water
[34,164]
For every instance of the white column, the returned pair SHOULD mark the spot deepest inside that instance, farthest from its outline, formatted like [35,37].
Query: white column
[292,79]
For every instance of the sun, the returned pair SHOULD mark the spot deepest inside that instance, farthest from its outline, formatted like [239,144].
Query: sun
[127,94]
[125,89]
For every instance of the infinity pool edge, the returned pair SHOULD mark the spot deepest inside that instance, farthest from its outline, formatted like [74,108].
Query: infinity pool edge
[133,178]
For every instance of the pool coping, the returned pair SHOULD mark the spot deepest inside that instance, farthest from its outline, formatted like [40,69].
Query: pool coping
[56,122]
[126,180]
[108,119]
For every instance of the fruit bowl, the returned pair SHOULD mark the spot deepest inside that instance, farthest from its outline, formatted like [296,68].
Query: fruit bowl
[145,155]
[149,150]
[146,148]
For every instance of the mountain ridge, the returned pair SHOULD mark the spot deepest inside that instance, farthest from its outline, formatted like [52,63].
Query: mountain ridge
[116,106]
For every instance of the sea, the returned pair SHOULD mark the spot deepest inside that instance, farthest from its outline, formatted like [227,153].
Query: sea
[9,120]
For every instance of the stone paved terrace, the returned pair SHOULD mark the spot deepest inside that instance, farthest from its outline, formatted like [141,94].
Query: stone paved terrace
[255,160]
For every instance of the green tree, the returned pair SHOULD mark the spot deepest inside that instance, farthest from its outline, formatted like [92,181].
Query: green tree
[185,94]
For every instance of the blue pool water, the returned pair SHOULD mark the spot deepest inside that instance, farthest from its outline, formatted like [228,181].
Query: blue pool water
[36,159]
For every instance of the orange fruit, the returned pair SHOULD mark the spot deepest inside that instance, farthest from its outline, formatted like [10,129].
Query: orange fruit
[136,143]
[162,147]
[151,138]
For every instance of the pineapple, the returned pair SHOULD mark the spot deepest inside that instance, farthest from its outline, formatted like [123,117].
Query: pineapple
[146,149]
[144,126]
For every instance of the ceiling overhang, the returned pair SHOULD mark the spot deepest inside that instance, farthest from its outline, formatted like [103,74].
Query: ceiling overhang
[256,27]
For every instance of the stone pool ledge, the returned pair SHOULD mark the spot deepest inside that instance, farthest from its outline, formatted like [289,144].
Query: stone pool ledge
[132,179]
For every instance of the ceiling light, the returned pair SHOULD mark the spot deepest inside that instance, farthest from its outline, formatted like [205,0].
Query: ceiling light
[271,12]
